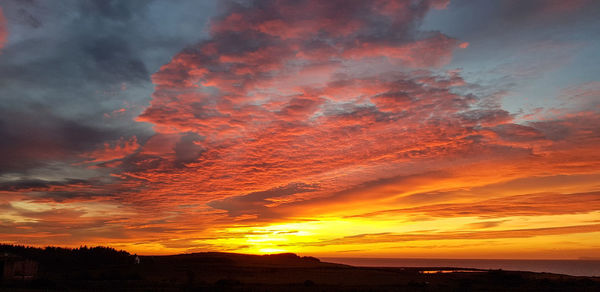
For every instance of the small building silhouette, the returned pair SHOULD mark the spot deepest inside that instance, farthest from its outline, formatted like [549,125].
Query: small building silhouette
[17,268]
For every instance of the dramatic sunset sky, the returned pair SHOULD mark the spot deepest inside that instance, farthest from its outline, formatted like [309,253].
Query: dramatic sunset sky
[345,128]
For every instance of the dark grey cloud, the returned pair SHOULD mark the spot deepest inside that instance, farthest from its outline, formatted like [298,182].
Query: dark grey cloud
[186,150]
[46,190]
[33,137]
[254,203]
[116,10]
[67,66]
[486,116]
[28,19]
[34,184]
[114,62]
[518,133]
[485,17]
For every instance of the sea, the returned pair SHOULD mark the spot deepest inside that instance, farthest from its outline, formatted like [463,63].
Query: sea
[590,268]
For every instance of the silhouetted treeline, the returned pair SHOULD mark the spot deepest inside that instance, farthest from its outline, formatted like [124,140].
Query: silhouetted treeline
[59,256]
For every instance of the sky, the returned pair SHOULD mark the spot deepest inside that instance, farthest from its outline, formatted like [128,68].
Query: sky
[366,128]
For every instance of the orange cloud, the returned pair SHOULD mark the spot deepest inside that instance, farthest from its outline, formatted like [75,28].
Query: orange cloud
[531,232]
[520,205]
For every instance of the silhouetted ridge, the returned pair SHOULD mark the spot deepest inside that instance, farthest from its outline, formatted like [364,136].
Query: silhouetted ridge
[285,259]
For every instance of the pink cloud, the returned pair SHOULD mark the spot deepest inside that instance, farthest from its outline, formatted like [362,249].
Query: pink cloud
[3,30]
[561,6]
[113,151]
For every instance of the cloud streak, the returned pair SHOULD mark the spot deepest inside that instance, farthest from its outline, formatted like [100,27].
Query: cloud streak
[3,29]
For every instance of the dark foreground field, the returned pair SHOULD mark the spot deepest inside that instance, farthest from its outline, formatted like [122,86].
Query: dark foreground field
[284,272]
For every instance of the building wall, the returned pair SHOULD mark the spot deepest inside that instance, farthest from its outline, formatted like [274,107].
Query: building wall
[19,269]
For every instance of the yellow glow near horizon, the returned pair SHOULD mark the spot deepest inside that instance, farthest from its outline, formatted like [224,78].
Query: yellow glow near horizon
[364,236]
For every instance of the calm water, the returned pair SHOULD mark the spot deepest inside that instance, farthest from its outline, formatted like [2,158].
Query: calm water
[568,267]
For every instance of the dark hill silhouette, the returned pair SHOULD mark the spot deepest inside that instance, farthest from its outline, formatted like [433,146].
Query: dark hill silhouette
[107,269]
